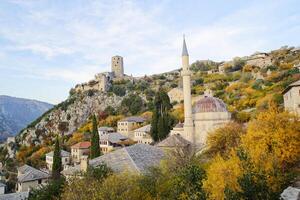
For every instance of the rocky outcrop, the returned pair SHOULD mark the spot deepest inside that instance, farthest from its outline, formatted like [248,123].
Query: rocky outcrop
[67,116]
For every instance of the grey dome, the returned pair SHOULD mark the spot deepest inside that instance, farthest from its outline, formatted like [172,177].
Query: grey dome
[209,104]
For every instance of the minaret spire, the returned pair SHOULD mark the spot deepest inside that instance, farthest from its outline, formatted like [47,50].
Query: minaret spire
[186,79]
[184,48]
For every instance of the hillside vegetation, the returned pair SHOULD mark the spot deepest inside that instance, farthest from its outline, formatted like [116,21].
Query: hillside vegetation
[254,157]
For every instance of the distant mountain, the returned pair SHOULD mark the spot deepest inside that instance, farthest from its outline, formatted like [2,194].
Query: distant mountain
[17,113]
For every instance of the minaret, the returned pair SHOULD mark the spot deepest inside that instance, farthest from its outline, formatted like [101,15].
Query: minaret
[186,77]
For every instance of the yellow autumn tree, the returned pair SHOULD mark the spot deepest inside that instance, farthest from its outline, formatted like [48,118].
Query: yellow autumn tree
[178,113]
[224,139]
[273,134]
[222,174]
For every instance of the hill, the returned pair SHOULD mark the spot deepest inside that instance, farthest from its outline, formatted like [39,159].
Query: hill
[16,113]
[245,84]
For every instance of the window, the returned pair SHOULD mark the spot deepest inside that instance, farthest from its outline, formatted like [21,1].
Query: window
[39,181]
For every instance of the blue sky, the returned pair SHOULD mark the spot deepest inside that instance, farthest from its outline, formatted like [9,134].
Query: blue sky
[46,47]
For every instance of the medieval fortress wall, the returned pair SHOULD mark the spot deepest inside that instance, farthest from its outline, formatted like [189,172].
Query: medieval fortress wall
[102,81]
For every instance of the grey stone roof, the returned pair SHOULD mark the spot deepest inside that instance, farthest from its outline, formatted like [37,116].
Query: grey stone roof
[15,196]
[184,48]
[136,158]
[29,173]
[63,153]
[105,128]
[175,140]
[133,119]
[144,129]
[113,137]
[2,184]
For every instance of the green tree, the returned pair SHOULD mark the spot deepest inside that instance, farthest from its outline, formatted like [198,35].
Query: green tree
[94,149]
[161,119]
[50,191]
[57,165]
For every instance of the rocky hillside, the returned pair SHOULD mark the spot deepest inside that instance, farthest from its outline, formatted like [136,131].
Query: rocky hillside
[67,116]
[16,113]
[246,84]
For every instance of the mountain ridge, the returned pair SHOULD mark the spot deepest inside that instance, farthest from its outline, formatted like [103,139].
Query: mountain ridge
[16,113]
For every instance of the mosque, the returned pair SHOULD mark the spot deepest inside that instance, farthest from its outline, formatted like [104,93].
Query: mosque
[204,115]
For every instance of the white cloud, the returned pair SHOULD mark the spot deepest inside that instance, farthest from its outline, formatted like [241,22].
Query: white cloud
[93,32]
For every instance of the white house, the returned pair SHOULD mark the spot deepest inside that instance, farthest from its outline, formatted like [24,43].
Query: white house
[142,135]
[128,125]
[111,141]
[65,158]
[80,149]
[104,130]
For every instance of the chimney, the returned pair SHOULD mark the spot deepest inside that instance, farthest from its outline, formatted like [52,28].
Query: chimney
[84,163]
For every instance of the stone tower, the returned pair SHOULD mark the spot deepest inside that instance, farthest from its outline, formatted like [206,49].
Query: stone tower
[117,66]
[186,79]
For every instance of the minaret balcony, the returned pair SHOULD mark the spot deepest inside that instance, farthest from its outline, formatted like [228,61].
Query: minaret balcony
[186,72]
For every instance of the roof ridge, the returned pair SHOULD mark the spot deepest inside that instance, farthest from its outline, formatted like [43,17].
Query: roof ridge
[125,149]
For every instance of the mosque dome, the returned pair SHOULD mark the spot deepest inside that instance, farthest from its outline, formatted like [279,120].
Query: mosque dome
[209,104]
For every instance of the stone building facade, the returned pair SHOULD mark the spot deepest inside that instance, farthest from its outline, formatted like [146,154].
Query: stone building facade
[291,96]
[117,66]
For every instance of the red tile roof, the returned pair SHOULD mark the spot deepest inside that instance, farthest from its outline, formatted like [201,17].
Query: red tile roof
[81,145]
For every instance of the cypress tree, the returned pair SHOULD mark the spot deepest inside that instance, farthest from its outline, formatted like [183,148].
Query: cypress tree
[95,148]
[161,120]
[57,165]
[154,123]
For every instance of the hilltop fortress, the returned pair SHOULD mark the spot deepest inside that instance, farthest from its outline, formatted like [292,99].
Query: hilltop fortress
[102,81]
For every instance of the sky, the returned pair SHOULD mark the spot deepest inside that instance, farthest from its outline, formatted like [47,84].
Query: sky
[48,46]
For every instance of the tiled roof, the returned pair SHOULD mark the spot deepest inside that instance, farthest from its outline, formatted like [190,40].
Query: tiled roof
[144,129]
[209,104]
[63,153]
[133,119]
[82,145]
[113,137]
[175,140]
[138,157]
[29,173]
[15,196]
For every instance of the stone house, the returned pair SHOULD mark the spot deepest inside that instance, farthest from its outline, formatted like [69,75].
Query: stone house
[80,149]
[259,59]
[291,97]
[104,130]
[65,158]
[142,135]
[175,143]
[77,170]
[113,141]
[30,178]
[128,125]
